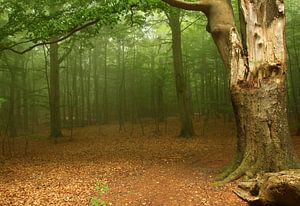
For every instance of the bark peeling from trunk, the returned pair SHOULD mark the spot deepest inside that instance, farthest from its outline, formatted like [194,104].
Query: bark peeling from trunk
[264,27]
[257,66]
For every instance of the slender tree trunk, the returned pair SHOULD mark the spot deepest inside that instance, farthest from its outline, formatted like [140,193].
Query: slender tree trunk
[88,90]
[54,93]
[25,100]
[82,95]
[34,120]
[18,103]
[55,121]
[187,129]
[197,98]
[154,109]
[96,87]
[69,112]
[64,100]
[160,92]
[122,87]
[12,105]
[75,106]
[105,99]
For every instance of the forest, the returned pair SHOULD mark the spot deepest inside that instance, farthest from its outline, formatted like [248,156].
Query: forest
[159,102]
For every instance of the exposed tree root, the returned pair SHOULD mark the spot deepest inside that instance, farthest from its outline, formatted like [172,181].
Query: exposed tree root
[240,171]
[247,170]
[228,170]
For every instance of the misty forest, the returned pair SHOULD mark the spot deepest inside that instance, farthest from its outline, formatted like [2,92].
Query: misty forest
[159,102]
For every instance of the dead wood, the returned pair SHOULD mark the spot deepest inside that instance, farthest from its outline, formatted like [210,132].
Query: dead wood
[272,189]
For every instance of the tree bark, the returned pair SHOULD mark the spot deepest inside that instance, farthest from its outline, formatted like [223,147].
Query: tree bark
[271,189]
[187,129]
[25,99]
[88,90]
[55,121]
[82,90]
[12,105]
[105,98]
[96,104]
[257,67]
[122,86]
[257,87]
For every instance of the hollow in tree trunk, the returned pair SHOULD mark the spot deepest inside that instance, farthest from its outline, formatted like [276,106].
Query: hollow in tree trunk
[257,67]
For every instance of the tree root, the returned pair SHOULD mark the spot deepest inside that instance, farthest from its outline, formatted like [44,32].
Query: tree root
[236,171]
[227,171]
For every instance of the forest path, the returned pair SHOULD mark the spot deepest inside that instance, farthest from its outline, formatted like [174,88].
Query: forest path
[139,170]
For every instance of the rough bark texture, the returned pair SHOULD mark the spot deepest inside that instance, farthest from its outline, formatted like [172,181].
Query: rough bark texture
[263,133]
[258,90]
[272,189]
[257,65]
[187,129]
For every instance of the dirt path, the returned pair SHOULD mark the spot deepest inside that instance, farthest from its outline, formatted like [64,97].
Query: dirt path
[139,170]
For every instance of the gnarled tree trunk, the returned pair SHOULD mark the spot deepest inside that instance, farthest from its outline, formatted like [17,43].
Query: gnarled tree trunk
[257,67]
[258,89]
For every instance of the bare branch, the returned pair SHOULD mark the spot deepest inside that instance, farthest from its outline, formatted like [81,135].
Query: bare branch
[200,5]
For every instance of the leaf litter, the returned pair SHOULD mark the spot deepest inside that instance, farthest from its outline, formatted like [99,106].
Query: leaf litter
[158,169]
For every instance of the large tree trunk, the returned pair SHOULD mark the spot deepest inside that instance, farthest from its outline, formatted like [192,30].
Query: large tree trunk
[263,134]
[187,129]
[257,78]
[258,90]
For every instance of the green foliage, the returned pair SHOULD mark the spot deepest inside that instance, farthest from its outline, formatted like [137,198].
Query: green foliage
[101,188]
[36,21]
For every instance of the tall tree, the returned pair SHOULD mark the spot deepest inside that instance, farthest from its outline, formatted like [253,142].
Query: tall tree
[54,101]
[257,67]
[12,103]
[187,129]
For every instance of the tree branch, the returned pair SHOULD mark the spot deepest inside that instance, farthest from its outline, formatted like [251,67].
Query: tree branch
[70,33]
[200,5]
[62,58]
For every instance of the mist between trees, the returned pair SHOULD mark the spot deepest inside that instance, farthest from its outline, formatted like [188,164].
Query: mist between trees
[137,64]
[120,73]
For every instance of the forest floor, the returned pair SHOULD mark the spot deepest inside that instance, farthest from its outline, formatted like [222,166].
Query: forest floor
[153,169]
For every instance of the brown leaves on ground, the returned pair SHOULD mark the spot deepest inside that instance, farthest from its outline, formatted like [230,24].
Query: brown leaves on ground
[154,169]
